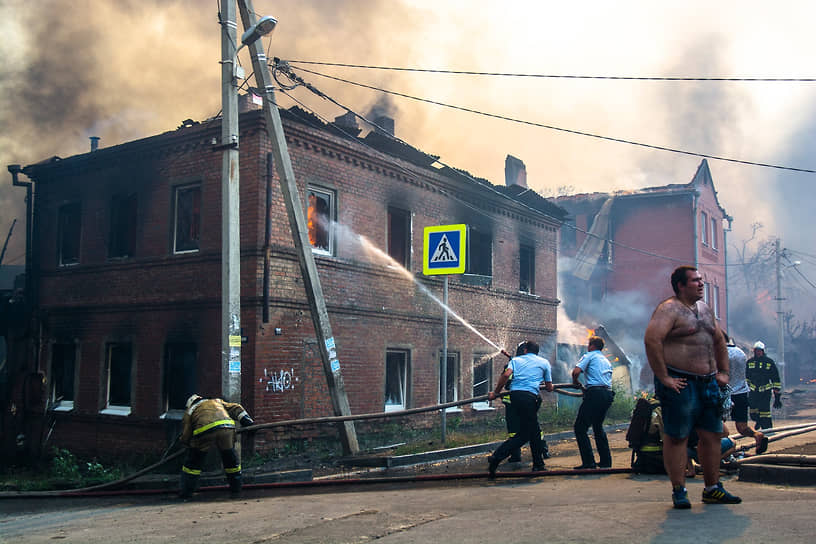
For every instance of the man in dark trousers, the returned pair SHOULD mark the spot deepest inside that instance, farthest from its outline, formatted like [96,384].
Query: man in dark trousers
[528,371]
[211,423]
[598,397]
[763,378]
[739,395]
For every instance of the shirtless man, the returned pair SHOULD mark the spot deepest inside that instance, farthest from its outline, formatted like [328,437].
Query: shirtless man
[687,353]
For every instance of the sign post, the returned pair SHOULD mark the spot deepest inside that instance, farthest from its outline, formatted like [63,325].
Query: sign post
[444,254]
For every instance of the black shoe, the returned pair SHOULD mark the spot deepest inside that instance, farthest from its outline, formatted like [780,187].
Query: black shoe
[719,495]
[584,467]
[492,465]
[514,460]
[604,466]
[539,468]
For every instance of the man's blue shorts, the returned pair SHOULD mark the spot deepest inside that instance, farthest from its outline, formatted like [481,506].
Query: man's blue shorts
[696,406]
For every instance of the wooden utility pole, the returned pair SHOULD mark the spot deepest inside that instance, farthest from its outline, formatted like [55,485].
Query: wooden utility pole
[300,235]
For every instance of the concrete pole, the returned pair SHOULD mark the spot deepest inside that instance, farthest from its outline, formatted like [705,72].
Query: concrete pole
[230,213]
[443,371]
[300,235]
[780,315]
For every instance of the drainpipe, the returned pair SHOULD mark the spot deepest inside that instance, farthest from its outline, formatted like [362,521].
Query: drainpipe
[725,267]
[15,171]
[270,173]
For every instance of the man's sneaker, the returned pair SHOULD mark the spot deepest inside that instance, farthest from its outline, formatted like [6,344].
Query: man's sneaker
[539,468]
[680,499]
[719,495]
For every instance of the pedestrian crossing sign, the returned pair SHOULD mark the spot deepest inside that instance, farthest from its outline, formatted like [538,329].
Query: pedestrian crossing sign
[444,250]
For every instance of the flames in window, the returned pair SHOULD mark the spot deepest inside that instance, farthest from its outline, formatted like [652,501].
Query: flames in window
[317,220]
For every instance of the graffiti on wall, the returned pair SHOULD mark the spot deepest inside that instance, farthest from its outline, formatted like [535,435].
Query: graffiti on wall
[279,381]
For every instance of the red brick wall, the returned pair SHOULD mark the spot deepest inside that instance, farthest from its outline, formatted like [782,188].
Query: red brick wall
[157,297]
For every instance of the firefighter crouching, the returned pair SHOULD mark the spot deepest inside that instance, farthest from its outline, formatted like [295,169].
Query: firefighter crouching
[208,423]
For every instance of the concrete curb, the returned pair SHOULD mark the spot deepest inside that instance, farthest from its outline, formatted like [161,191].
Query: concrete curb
[777,474]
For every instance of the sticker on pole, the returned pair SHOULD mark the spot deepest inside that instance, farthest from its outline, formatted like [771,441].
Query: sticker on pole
[444,250]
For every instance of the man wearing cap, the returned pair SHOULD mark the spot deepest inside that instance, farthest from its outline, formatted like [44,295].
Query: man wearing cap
[763,378]
[211,423]
[739,395]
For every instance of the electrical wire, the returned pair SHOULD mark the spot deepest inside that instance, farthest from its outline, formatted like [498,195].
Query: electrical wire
[560,76]
[283,68]
[561,129]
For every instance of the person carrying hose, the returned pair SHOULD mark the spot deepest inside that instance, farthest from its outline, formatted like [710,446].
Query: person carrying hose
[209,423]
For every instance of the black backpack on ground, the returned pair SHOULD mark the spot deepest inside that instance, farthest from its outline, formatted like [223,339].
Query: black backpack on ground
[645,437]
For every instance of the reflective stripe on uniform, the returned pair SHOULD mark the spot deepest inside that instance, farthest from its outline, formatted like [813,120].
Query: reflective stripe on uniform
[651,448]
[233,470]
[194,472]
[209,426]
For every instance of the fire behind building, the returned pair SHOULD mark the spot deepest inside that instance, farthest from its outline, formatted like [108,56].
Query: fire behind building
[619,250]
[126,319]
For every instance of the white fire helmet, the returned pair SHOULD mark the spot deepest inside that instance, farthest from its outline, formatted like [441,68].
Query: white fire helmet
[193,399]
[759,345]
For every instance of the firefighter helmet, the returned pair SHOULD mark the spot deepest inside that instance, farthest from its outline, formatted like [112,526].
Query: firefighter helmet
[759,345]
[193,399]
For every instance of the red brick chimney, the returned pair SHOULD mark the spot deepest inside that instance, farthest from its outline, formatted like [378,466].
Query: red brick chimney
[249,101]
[515,173]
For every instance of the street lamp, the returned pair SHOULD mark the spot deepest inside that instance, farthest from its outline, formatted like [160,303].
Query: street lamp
[230,198]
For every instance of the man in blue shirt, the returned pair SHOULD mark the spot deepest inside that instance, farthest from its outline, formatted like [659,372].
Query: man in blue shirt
[528,371]
[598,397]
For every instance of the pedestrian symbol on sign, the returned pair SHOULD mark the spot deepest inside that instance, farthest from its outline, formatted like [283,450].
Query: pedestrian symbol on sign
[444,250]
[443,253]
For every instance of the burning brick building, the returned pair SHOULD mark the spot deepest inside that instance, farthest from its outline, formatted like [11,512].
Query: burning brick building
[620,249]
[126,263]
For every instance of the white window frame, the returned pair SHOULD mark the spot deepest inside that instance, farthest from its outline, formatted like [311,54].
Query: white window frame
[704,228]
[116,409]
[62,405]
[715,301]
[176,191]
[456,378]
[332,198]
[403,380]
[706,292]
[486,361]
[713,236]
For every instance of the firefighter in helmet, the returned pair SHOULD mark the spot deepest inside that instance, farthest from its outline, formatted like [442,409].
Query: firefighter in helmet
[762,376]
[208,423]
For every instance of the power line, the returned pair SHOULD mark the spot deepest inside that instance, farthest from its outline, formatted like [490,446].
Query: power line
[561,76]
[560,129]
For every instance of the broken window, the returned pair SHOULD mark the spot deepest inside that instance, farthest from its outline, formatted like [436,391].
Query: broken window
[118,364]
[449,391]
[122,241]
[319,217]
[527,269]
[187,224]
[397,362]
[479,253]
[63,366]
[399,235]
[68,233]
[482,378]
[179,374]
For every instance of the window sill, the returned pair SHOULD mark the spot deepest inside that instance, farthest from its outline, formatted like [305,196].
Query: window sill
[173,415]
[394,407]
[63,406]
[482,407]
[116,411]
[453,409]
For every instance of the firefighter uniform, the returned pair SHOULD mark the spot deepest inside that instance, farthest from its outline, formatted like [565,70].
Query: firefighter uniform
[207,423]
[511,419]
[763,378]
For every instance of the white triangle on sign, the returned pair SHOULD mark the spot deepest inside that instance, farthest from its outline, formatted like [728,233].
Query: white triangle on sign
[443,252]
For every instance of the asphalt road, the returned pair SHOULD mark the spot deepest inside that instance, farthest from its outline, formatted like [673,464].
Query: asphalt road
[575,508]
